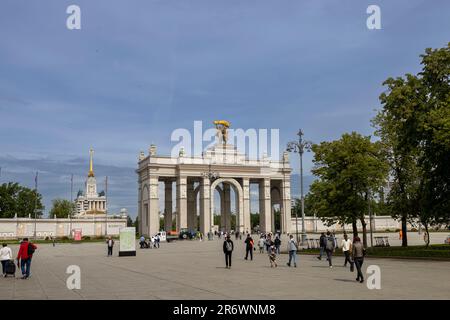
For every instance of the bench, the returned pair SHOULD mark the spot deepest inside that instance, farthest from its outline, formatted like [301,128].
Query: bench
[382,241]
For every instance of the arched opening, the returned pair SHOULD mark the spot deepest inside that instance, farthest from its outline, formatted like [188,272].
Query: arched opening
[226,202]
[234,187]
[275,195]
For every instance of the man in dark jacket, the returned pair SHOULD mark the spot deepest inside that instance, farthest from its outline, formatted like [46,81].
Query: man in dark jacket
[330,245]
[322,243]
[228,248]
[277,244]
[249,244]
[24,256]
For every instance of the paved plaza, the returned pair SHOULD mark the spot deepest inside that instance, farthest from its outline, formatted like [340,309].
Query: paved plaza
[195,270]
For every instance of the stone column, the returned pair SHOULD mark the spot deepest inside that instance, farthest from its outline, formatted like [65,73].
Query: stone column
[181,203]
[286,220]
[264,206]
[227,206]
[168,205]
[223,222]
[191,214]
[205,206]
[246,190]
[153,215]
[272,216]
[140,224]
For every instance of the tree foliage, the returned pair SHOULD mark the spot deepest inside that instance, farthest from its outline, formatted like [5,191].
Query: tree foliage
[62,208]
[414,126]
[348,171]
[16,199]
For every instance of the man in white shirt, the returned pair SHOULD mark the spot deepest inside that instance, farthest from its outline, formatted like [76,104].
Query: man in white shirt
[5,256]
[346,248]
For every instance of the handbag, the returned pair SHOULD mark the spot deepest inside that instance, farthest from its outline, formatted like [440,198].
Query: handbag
[352,266]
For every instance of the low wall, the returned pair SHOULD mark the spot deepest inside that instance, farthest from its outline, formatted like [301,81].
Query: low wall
[379,223]
[25,227]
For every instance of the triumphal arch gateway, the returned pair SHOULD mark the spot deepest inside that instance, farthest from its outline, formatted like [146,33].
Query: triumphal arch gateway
[193,181]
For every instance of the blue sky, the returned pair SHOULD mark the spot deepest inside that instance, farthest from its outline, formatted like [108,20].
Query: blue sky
[137,70]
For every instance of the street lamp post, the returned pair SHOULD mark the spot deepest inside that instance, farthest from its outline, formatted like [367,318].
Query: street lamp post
[35,203]
[299,147]
[296,219]
[71,206]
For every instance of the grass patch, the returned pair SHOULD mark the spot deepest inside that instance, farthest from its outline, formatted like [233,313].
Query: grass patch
[435,251]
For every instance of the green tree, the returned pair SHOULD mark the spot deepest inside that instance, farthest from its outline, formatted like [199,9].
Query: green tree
[16,199]
[136,224]
[414,126]
[254,220]
[348,171]
[129,222]
[62,208]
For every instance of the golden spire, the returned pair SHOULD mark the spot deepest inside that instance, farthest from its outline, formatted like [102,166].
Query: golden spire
[91,164]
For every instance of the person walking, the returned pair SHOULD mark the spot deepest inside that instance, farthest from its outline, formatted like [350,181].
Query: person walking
[358,253]
[157,240]
[5,257]
[277,244]
[292,249]
[272,256]
[347,249]
[322,244]
[261,242]
[110,243]
[329,248]
[269,243]
[335,239]
[24,257]
[228,248]
[142,242]
[249,244]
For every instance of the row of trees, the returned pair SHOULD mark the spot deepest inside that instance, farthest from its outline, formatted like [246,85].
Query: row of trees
[23,202]
[413,153]
[18,200]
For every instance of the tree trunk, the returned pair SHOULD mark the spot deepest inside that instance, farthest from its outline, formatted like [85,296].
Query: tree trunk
[404,232]
[355,229]
[427,235]
[364,226]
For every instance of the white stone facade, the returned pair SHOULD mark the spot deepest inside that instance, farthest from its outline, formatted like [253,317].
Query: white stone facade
[17,228]
[90,203]
[379,223]
[196,183]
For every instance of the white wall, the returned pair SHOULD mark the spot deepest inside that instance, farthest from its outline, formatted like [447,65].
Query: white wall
[381,223]
[24,227]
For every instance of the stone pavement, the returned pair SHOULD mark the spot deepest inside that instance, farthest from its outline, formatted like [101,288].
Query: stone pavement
[195,270]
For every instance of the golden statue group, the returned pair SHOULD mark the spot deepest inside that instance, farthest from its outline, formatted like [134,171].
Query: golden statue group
[222,130]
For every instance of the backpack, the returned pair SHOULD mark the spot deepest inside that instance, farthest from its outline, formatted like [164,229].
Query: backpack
[30,249]
[229,246]
[330,244]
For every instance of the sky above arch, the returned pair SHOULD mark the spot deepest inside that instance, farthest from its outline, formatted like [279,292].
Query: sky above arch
[137,70]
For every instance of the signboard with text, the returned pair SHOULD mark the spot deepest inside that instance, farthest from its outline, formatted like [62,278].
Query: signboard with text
[127,242]
[77,235]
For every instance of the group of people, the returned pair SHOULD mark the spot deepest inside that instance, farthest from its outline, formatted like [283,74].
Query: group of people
[151,243]
[272,248]
[223,234]
[354,252]
[23,258]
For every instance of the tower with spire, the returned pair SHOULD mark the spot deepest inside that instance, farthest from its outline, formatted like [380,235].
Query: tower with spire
[90,202]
